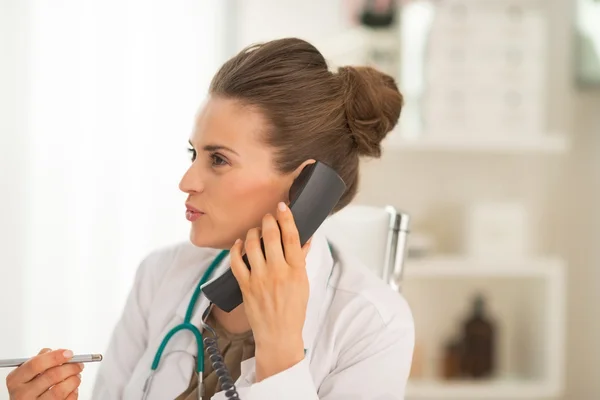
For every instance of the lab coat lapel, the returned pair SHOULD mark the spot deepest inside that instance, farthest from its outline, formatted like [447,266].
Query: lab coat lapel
[184,340]
[173,376]
[202,301]
[319,264]
[201,306]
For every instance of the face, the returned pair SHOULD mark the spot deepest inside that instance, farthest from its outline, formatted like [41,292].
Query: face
[231,183]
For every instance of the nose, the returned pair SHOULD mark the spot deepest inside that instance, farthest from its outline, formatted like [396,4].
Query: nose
[192,181]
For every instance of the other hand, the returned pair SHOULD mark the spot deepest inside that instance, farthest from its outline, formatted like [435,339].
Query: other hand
[45,376]
[275,291]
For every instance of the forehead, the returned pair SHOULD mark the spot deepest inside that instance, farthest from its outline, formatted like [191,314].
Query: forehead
[229,123]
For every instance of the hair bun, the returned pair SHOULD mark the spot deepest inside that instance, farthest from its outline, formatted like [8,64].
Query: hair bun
[373,104]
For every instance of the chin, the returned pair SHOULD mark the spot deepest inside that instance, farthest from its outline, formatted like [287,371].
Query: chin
[202,238]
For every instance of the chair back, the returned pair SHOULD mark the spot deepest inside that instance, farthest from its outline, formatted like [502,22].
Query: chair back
[375,235]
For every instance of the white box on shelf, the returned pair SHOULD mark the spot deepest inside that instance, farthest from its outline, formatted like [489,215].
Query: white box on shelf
[498,230]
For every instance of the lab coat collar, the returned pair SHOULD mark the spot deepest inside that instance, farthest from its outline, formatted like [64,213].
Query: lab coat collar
[319,263]
[202,302]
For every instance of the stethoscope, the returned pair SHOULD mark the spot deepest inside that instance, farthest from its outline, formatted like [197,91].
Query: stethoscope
[187,325]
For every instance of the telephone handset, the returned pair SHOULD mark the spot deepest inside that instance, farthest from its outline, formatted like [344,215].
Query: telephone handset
[313,196]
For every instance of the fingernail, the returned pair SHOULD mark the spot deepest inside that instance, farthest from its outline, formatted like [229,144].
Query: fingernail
[76,390]
[237,241]
[68,354]
[79,376]
[82,365]
[282,206]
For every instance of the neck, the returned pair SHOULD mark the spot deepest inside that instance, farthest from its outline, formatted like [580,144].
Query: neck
[234,322]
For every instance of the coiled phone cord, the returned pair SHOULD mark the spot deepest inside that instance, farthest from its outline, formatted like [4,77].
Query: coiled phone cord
[216,359]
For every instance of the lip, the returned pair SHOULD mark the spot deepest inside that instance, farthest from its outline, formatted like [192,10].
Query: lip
[192,213]
[190,208]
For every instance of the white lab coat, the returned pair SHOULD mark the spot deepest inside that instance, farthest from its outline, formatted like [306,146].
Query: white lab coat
[358,333]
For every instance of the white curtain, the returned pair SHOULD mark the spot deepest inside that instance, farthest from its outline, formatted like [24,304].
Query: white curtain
[104,93]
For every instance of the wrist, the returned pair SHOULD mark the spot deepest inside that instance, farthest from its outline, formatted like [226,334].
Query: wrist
[274,358]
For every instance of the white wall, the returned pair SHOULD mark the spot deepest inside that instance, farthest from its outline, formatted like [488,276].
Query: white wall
[97,101]
[260,20]
[581,233]
[12,152]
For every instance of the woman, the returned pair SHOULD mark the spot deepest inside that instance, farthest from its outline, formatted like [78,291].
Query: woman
[314,323]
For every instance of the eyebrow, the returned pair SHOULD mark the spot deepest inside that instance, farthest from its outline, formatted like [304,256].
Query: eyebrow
[216,147]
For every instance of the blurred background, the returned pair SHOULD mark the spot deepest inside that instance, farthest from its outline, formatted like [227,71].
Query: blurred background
[496,159]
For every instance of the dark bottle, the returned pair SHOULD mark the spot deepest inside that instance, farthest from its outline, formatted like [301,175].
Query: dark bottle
[378,14]
[479,342]
[451,367]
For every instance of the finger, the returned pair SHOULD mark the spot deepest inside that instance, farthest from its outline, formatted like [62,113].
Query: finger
[254,251]
[54,376]
[306,248]
[40,363]
[15,377]
[14,374]
[74,395]
[238,267]
[290,236]
[272,241]
[62,389]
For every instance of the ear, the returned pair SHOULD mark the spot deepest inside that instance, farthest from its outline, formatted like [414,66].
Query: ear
[298,170]
[295,174]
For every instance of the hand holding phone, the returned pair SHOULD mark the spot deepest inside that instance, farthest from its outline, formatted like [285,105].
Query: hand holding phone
[313,195]
[275,290]
[48,375]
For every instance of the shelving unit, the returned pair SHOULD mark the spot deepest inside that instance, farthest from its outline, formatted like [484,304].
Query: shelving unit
[448,275]
[473,96]
[548,144]
[509,389]
[467,267]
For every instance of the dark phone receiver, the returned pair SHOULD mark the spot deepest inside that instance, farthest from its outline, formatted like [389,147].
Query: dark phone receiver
[313,196]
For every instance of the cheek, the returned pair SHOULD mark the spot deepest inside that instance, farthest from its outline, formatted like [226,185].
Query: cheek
[249,200]
[235,204]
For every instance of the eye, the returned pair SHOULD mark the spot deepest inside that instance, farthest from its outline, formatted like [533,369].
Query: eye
[192,154]
[218,160]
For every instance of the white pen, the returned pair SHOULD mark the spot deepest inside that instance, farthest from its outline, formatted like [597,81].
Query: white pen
[80,358]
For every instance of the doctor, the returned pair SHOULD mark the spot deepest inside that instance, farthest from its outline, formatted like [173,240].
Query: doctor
[314,324]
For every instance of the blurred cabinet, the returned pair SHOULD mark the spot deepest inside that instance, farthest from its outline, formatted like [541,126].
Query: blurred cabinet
[526,299]
[485,69]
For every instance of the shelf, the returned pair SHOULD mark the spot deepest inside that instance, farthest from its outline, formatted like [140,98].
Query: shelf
[545,144]
[527,299]
[480,390]
[457,266]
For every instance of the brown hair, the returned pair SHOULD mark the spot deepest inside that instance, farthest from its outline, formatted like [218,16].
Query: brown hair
[314,113]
